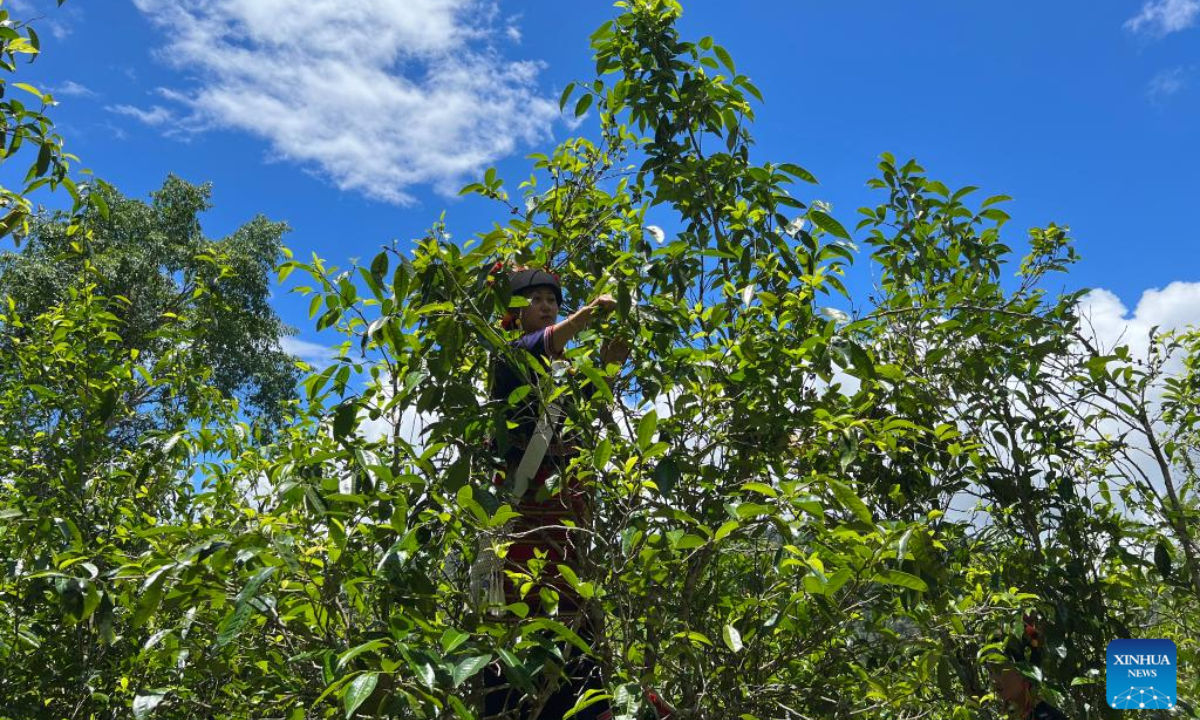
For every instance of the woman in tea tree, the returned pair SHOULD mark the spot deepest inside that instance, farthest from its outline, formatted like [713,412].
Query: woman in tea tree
[535,451]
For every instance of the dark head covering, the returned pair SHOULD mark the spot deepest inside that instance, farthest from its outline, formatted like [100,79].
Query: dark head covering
[523,279]
[1026,648]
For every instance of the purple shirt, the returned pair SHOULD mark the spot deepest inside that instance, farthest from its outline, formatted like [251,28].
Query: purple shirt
[508,376]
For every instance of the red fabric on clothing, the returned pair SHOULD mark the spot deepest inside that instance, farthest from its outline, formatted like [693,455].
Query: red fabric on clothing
[546,523]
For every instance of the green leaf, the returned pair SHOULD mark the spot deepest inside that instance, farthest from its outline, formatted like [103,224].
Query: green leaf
[724,531]
[646,428]
[425,672]
[104,620]
[585,102]
[624,300]
[516,672]
[761,489]
[358,692]
[566,95]
[45,155]
[963,192]
[144,705]
[31,90]
[400,280]
[563,632]
[597,381]
[379,266]
[467,668]
[13,218]
[586,700]
[902,546]
[748,510]
[837,580]
[452,639]
[732,638]
[465,496]
[151,596]
[828,224]
[344,417]
[354,652]
[753,90]
[460,709]
[901,579]
[725,58]
[517,395]
[799,172]
[666,475]
[1162,559]
[234,621]
[602,454]
[861,361]
[850,500]
[333,687]
[694,637]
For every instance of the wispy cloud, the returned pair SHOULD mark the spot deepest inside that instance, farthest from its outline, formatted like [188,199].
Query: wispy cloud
[310,352]
[70,88]
[1167,83]
[156,116]
[377,96]
[512,28]
[60,22]
[1163,17]
[117,132]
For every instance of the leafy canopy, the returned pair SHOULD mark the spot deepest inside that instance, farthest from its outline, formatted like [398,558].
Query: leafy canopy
[802,513]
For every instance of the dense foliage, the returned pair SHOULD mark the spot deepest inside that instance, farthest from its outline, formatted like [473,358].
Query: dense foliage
[25,125]
[802,513]
[154,263]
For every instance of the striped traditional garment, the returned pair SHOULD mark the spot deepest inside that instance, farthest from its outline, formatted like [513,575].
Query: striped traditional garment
[544,516]
[542,526]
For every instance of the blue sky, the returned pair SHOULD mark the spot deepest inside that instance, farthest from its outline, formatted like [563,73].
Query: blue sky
[356,121]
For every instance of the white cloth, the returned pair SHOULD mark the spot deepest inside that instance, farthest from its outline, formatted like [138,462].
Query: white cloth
[487,572]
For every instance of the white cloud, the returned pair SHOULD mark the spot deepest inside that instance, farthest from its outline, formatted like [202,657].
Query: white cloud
[310,352]
[70,88]
[1167,83]
[376,96]
[46,15]
[1163,17]
[413,425]
[1110,322]
[59,30]
[156,116]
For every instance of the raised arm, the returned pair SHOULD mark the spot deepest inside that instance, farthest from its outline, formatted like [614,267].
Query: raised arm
[562,333]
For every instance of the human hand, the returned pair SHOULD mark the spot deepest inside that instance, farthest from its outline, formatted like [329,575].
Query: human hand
[614,350]
[603,302]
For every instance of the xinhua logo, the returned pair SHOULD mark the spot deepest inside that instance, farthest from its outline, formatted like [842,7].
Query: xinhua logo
[1141,674]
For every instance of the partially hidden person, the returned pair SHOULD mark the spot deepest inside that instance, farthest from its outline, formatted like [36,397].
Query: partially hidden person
[554,508]
[1016,690]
